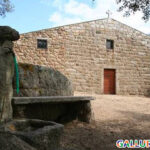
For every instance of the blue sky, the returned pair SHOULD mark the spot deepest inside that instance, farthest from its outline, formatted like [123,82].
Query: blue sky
[31,15]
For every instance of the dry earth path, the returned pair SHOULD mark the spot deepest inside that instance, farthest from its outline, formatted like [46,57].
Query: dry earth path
[115,117]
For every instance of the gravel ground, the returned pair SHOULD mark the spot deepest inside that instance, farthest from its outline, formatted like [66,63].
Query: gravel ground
[115,117]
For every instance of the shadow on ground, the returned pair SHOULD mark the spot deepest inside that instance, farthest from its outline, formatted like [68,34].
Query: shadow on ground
[102,135]
[136,116]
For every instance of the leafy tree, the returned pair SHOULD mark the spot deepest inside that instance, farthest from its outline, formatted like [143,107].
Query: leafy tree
[132,6]
[5,7]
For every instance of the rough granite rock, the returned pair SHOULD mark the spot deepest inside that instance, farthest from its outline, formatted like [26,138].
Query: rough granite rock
[42,81]
[42,135]
[7,33]
[11,142]
[6,77]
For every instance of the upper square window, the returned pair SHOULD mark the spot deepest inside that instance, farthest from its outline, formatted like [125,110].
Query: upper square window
[42,43]
[109,44]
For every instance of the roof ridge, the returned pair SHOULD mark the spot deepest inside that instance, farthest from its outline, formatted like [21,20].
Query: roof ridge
[66,25]
[131,27]
[87,22]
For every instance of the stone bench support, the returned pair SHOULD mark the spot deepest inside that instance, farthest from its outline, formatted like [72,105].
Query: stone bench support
[55,108]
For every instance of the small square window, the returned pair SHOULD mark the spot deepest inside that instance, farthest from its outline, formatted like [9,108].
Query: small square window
[109,44]
[42,43]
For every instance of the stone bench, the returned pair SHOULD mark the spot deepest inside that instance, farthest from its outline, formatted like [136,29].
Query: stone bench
[60,109]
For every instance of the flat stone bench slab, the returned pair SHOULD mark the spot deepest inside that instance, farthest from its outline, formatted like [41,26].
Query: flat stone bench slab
[61,109]
[50,99]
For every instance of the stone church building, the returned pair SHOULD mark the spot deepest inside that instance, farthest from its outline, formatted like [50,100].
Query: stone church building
[100,56]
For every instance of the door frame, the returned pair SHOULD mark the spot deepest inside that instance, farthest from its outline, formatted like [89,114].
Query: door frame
[116,79]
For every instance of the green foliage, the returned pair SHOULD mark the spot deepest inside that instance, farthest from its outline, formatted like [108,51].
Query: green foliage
[132,6]
[5,7]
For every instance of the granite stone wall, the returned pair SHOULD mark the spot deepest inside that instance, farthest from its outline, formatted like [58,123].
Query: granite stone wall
[79,51]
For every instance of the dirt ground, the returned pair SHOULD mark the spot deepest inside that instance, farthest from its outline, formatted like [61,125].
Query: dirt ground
[115,117]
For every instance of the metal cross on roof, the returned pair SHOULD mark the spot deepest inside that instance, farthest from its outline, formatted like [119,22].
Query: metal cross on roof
[108,13]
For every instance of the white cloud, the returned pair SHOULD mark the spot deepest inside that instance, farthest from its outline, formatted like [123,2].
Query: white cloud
[58,19]
[74,11]
[78,9]
[58,4]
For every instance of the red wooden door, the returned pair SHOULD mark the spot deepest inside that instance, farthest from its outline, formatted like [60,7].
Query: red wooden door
[109,81]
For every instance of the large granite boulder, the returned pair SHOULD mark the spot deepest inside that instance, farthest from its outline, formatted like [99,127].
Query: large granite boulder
[42,81]
[7,33]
